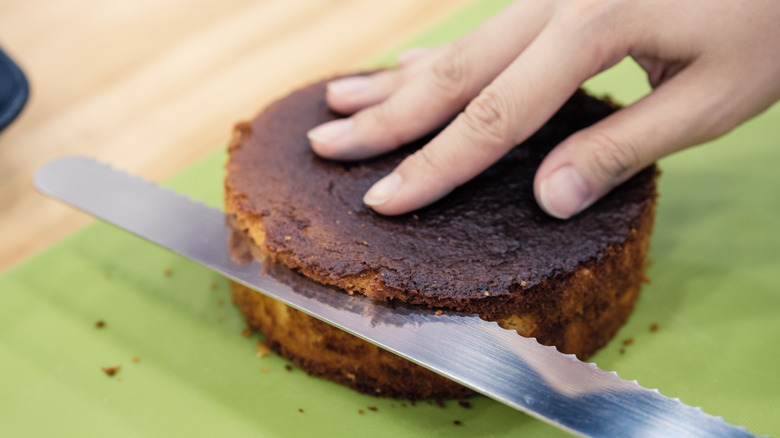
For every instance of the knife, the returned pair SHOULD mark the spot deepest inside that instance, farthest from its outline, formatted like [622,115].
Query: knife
[554,387]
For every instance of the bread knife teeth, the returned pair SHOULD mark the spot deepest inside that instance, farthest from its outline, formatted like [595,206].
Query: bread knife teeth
[554,387]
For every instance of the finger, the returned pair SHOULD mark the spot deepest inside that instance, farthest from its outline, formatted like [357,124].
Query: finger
[426,102]
[507,112]
[681,112]
[350,94]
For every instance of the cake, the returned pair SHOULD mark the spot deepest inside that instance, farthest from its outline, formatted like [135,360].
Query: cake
[486,249]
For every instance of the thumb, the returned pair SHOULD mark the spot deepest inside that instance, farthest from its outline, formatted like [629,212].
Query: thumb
[591,162]
[587,166]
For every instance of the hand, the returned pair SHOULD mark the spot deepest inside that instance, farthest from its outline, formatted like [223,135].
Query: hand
[712,64]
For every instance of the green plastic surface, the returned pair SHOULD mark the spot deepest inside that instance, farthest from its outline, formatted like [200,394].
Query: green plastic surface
[715,295]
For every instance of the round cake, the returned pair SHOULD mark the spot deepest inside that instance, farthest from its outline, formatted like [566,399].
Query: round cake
[487,248]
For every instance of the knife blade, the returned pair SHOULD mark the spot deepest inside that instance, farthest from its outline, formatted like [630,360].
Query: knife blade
[554,387]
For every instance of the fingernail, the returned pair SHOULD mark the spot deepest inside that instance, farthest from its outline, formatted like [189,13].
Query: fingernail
[330,131]
[383,190]
[354,84]
[564,193]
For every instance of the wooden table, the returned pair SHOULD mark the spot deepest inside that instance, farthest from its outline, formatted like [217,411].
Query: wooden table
[153,85]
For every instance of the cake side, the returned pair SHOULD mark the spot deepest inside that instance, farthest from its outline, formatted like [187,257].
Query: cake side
[578,312]
[325,351]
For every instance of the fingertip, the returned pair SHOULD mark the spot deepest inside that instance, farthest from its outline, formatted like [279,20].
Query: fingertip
[383,190]
[403,191]
[351,84]
[349,94]
[563,193]
[326,138]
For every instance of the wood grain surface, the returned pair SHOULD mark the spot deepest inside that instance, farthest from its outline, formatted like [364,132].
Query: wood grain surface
[153,85]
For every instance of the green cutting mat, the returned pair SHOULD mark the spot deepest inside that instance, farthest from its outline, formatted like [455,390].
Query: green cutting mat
[715,295]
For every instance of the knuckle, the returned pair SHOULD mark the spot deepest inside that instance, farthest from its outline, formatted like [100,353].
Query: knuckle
[487,116]
[449,71]
[611,159]
[594,26]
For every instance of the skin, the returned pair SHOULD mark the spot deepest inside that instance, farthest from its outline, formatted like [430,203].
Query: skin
[712,65]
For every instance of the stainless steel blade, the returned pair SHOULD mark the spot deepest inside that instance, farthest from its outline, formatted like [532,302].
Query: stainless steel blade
[556,388]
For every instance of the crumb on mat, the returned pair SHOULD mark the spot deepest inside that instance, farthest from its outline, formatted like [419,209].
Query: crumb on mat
[111,371]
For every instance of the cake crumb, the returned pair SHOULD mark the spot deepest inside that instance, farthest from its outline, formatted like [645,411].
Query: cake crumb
[628,341]
[246,333]
[135,359]
[439,239]
[213,285]
[464,404]
[487,294]
[438,313]
[373,408]
[220,318]
[522,283]
[168,272]
[654,327]
[265,370]
[457,422]
[262,349]
[622,351]
[287,238]
[100,324]
[111,371]
[403,405]
[440,403]
[360,412]
[300,410]
[221,301]
[349,212]
[288,367]
[365,243]
[416,217]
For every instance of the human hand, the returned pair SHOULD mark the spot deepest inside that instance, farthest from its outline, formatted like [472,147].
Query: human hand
[712,64]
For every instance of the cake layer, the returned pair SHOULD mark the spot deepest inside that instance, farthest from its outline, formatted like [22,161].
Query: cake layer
[328,352]
[489,235]
[487,248]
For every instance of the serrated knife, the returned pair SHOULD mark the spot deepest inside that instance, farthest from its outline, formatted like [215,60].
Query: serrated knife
[538,380]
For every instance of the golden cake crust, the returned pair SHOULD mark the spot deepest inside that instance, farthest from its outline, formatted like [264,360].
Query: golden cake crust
[326,351]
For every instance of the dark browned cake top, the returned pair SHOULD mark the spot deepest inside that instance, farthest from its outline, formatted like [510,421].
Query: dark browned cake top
[487,235]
